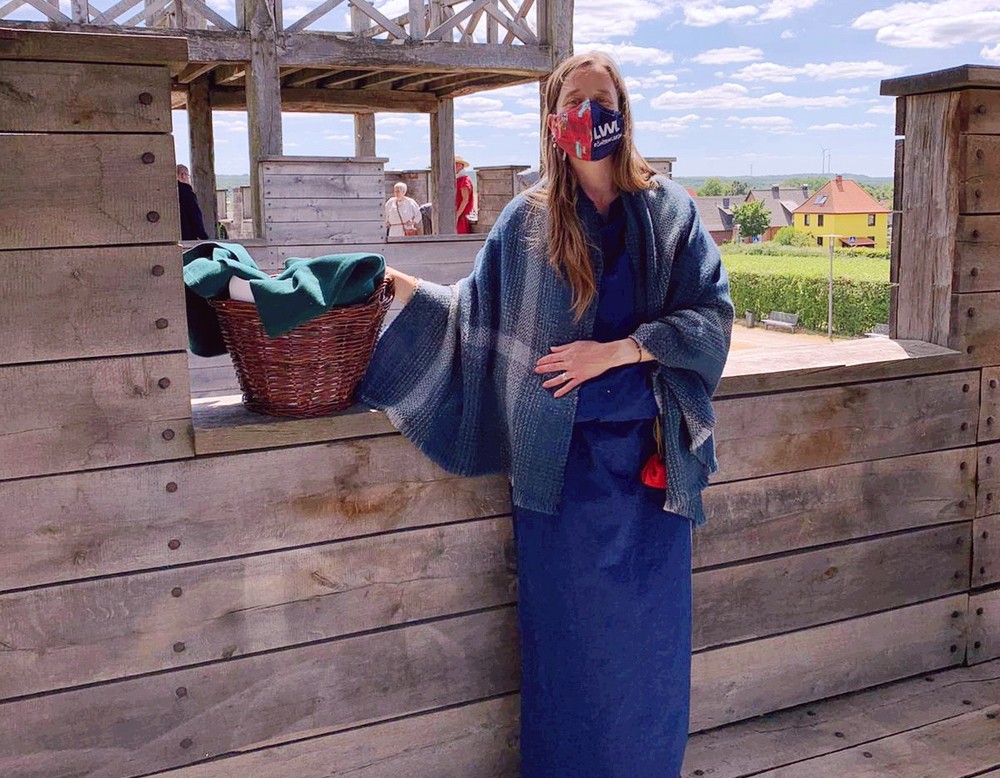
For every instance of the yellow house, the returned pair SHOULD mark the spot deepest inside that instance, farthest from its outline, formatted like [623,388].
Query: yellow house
[842,208]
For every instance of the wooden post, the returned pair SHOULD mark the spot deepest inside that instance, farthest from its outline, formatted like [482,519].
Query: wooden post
[557,16]
[80,11]
[443,167]
[364,135]
[263,88]
[418,20]
[199,106]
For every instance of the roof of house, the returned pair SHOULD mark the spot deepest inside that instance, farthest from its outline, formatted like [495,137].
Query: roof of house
[780,201]
[841,196]
[716,212]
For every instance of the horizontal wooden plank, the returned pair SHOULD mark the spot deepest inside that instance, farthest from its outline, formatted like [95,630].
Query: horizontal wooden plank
[960,747]
[737,682]
[988,493]
[801,590]
[219,379]
[248,605]
[297,185]
[986,551]
[259,700]
[69,97]
[493,203]
[72,303]
[86,524]
[334,166]
[978,192]
[87,190]
[88,46]
[495,185]
[989,408]
[780,433]
[975,326]
[331,232]
[478,740]
[782,513]
[756,371]
[976,265]
[64,416]
[984,626]
[318,209]
[816,728]
[223,425]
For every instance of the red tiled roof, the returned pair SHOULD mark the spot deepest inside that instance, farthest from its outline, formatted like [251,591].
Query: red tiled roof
[842,196]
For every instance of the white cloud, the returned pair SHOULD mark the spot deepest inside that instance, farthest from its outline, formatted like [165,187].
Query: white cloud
[385,136]
[761,121]
[831,71]
[627,54]
[782,9]
[883,110]
[670,125]
[735,97]
[593,18]
[477,102]
[854,90]
[990,53]
[397,121]
[229,125]
[838,126]
[787,35]
[934,25]
[728,56]
[705,15]
[338,137]
[656,78]
[503,120]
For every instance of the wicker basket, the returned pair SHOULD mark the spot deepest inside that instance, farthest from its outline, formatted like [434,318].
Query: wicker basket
[311,370]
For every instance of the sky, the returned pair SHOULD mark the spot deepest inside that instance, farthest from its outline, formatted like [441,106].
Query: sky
[729,87]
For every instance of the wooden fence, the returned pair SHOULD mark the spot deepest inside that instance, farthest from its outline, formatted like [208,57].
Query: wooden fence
[214,594]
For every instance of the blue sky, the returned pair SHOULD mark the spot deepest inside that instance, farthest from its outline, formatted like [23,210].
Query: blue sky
[723,85]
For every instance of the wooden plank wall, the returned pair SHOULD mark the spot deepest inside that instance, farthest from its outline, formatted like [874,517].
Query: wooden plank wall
[495,187]
[322,200]
[346,608]
[417,184]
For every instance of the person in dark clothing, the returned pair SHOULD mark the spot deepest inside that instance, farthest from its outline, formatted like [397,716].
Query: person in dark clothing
[192,226]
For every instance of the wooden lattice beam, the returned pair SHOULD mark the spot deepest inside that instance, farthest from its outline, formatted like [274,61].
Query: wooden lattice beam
[379,18]
[314,15]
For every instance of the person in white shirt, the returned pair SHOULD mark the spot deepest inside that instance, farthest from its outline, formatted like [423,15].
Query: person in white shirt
[402,214]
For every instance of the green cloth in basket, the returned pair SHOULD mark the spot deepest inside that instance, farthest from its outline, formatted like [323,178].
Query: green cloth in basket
[305,289]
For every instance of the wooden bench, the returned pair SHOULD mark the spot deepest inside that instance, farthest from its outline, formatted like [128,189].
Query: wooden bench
[782,321]
[878,331]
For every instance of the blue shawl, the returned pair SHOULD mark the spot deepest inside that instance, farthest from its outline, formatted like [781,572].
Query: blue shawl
[454,371]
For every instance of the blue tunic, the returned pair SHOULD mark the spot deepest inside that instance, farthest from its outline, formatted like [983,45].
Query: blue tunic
[605,585]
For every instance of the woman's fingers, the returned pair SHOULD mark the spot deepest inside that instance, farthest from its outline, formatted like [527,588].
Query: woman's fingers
[567,388]
[558,380]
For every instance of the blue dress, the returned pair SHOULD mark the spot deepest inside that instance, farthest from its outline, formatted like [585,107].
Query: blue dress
[604,586]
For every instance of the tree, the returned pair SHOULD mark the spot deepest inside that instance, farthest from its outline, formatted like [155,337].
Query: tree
[712,187]
[753,218]
[739,188]
[814,183]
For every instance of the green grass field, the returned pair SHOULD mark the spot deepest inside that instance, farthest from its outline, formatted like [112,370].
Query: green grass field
[854,268]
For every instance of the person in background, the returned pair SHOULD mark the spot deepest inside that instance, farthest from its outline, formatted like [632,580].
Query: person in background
[402,213]
[192,226]
[463,197]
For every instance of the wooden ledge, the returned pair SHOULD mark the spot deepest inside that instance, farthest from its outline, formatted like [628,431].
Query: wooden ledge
[762,370]
[124,49]
[950,80]
[222,424]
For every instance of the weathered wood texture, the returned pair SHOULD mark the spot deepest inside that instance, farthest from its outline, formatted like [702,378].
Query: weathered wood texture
[785,513]
[65,97]
[72,303]
[977,263]
[790,736]
[48,45]
[771,434]
[989,411]
[978,193]
[495,187]
[746,680]
[99,190]
[259,700]
[81,525]
[975,326]
[201,137]
[248,605]
[800,590]
[930,198]
[65,416]
[443,167]
[417,184]
[988,492]
[960,747]
[986,551]
[471,740]
[262,93]
[331,185]
[984,626]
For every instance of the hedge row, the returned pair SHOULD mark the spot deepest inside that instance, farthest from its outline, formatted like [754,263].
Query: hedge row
[857,305]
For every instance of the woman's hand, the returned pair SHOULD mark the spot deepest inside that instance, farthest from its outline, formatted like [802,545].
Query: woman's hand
[405,285]
[582,360]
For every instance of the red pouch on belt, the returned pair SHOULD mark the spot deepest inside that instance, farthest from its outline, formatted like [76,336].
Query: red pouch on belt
[654,472]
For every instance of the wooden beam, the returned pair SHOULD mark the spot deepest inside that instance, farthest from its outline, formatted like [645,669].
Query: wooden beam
[263,96]
[199,107]
[418,21]
[39,44]
[364,135]
[314,15]
[230,74]
[333,100]
[476,85]
[443,167]
[559,15]
[193,71]
[380,80]
[418,79]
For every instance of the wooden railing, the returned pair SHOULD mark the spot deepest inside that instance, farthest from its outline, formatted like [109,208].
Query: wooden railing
[498,22]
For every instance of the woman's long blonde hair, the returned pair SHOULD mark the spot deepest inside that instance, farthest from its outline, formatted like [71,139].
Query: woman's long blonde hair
[569,250]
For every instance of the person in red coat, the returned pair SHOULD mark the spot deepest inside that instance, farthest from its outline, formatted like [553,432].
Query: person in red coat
[463,197]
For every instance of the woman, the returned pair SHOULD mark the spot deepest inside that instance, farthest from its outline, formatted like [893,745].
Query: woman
[401,212]
[598,307]
[463,197]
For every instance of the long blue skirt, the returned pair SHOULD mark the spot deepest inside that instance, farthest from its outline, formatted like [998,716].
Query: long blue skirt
[605,618]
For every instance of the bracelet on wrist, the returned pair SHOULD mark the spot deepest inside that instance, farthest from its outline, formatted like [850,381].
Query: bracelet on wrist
[638,346]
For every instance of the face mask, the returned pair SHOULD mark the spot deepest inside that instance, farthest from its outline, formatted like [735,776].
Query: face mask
[589,131]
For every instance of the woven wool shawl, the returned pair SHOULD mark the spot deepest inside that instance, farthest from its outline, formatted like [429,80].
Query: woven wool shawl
[454,371]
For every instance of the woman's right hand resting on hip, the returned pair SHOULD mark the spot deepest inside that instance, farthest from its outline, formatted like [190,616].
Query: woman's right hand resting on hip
[405,285]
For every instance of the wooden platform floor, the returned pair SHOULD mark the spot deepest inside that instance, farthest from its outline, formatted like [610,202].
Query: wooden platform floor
[939,725]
